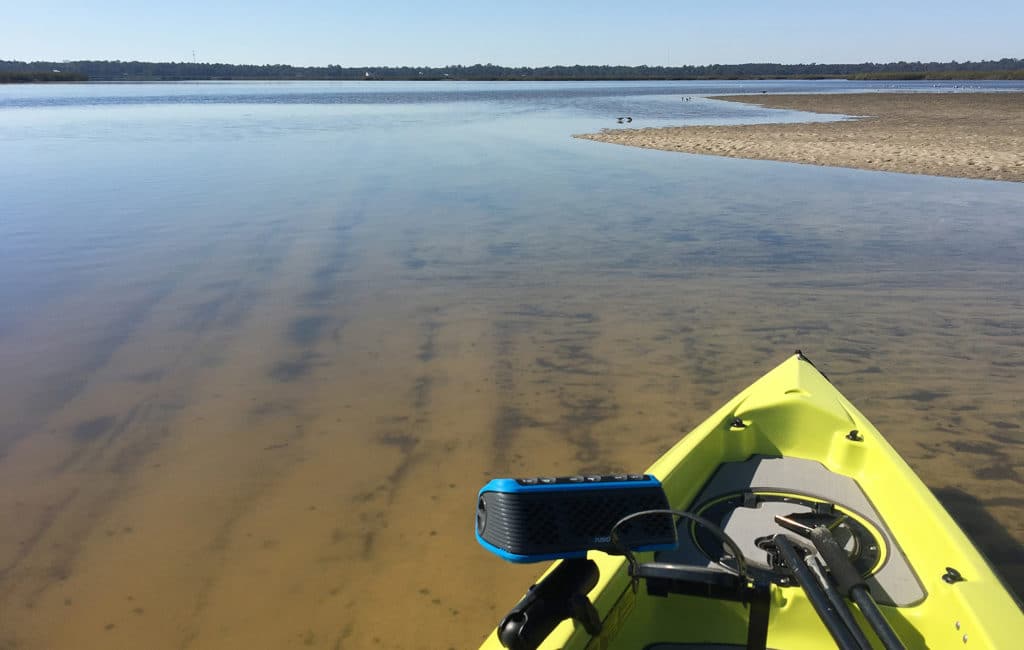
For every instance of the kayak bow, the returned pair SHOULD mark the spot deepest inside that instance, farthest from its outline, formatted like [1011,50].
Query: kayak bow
[794,524]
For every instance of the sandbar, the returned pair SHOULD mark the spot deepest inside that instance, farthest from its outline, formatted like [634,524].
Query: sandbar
[964,135]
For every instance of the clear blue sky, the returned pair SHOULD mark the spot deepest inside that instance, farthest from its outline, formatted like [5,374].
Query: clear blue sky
[527,32]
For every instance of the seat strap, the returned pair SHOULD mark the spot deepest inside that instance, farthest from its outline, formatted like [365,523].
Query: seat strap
[757,623]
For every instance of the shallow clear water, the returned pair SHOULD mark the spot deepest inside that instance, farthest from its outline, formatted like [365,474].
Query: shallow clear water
[260,343]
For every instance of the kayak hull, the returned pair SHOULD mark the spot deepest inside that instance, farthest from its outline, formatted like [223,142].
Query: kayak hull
[795,414]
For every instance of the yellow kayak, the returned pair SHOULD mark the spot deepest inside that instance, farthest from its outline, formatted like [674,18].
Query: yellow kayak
[785,520]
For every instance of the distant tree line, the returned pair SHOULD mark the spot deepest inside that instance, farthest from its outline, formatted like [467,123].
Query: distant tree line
[938,75]
[183,71]
[33,76]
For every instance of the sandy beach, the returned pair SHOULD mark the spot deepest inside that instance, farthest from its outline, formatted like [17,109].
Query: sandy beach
[966,135]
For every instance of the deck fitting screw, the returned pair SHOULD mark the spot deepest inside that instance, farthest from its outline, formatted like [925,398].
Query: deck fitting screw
[952,575]
[737,423]
[854,436]
[957,625]
[965,638]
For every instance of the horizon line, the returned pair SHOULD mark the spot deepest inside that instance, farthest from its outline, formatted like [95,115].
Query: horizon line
[532,67]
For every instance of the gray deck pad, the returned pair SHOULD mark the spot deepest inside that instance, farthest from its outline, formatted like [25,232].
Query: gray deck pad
[893,584]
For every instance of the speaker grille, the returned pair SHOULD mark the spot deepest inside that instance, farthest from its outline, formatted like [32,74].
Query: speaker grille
[555,521]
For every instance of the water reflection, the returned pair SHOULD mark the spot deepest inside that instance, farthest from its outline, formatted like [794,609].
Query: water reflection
[252,380]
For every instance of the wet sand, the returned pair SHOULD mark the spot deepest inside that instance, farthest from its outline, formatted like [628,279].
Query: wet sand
[965,135]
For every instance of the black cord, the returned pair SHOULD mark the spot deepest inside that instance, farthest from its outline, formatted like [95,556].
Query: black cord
[741,562]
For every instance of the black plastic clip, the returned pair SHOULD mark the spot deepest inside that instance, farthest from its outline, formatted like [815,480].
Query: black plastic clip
[825,508]
[750,499]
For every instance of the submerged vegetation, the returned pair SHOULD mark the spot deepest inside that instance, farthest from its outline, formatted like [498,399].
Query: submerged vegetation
[183,71]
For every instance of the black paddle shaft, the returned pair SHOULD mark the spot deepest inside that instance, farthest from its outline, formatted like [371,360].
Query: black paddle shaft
[841,634]
[851,584]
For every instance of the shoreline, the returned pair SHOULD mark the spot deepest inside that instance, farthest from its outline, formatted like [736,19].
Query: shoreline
[962,135]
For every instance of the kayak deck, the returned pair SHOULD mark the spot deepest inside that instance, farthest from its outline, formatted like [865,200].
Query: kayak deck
[744,497]
[793,435]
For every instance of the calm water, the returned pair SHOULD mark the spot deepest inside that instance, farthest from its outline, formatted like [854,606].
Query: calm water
[261,343]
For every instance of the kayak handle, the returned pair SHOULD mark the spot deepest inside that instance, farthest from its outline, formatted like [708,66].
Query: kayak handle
[561,594]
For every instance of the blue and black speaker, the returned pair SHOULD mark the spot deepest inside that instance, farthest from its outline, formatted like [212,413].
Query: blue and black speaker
[541,519]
